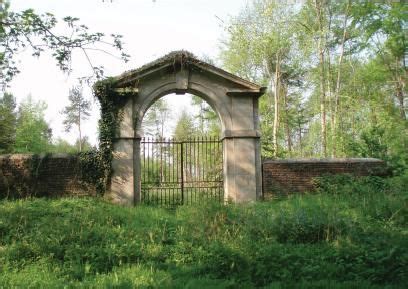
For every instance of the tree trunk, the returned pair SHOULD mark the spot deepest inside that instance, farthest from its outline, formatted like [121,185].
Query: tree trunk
[276,107]
[338,82]
[80,139]
[328,76]
[79,128]
[400,96]
[300,137]
[321,49]
[400,85]
[322,99]
[287,127]
[329,95]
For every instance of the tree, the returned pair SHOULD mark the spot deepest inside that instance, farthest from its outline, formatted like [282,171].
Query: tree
[33,133]
[185,127]
[330,34]
[156,118]
[336,111]
[339,89]
[261,47]
[26,29]
[208,121]
[76,111]
[62,146]
[385,29]
[153,124]
[8,119]
[85,144]
[185,130]
[316,18]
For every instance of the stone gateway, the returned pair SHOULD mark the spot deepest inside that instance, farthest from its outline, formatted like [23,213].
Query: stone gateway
[234,99]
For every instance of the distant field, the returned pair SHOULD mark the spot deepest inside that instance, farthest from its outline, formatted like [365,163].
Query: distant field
[353,234]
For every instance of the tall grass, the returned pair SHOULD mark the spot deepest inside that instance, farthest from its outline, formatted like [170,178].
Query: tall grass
[352,234]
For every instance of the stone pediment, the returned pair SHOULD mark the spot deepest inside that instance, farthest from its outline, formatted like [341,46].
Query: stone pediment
[177,61]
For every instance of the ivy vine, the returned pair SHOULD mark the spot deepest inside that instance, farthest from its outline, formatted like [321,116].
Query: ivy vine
[96,165]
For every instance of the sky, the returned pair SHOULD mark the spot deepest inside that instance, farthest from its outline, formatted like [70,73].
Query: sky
[150,29]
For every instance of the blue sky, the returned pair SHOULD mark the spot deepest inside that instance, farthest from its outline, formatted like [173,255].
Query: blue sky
[150,30]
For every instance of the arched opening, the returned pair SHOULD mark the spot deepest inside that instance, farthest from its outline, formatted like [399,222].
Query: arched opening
[165,116]
[181,153]
[205,93]
[235,101]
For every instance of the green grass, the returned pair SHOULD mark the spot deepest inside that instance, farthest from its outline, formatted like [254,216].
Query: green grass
[173,196]
[352,234]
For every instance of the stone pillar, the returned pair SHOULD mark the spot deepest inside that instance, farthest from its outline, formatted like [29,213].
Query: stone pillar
[123,177]
[122,180]
[242,158]
[242,181]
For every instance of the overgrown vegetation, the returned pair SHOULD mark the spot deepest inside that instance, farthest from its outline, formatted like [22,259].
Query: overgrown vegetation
[93,170]
[353,234]
[111,102]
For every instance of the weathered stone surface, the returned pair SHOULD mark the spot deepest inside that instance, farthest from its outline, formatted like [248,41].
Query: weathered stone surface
[122,184]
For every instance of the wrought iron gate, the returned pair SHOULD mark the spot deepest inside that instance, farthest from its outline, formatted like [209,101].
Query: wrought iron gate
[181,172]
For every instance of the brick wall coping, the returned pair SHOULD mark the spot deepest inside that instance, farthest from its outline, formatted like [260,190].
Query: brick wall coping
[30,156]
[323,160]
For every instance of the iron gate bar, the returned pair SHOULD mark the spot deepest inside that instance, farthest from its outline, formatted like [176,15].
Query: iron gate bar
[182,173]
[185,171]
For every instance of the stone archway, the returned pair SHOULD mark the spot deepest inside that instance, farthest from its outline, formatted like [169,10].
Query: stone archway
[234,99]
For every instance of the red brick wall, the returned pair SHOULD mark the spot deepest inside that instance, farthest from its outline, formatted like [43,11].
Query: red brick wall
[282,177]
[59,174]
[24,175]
